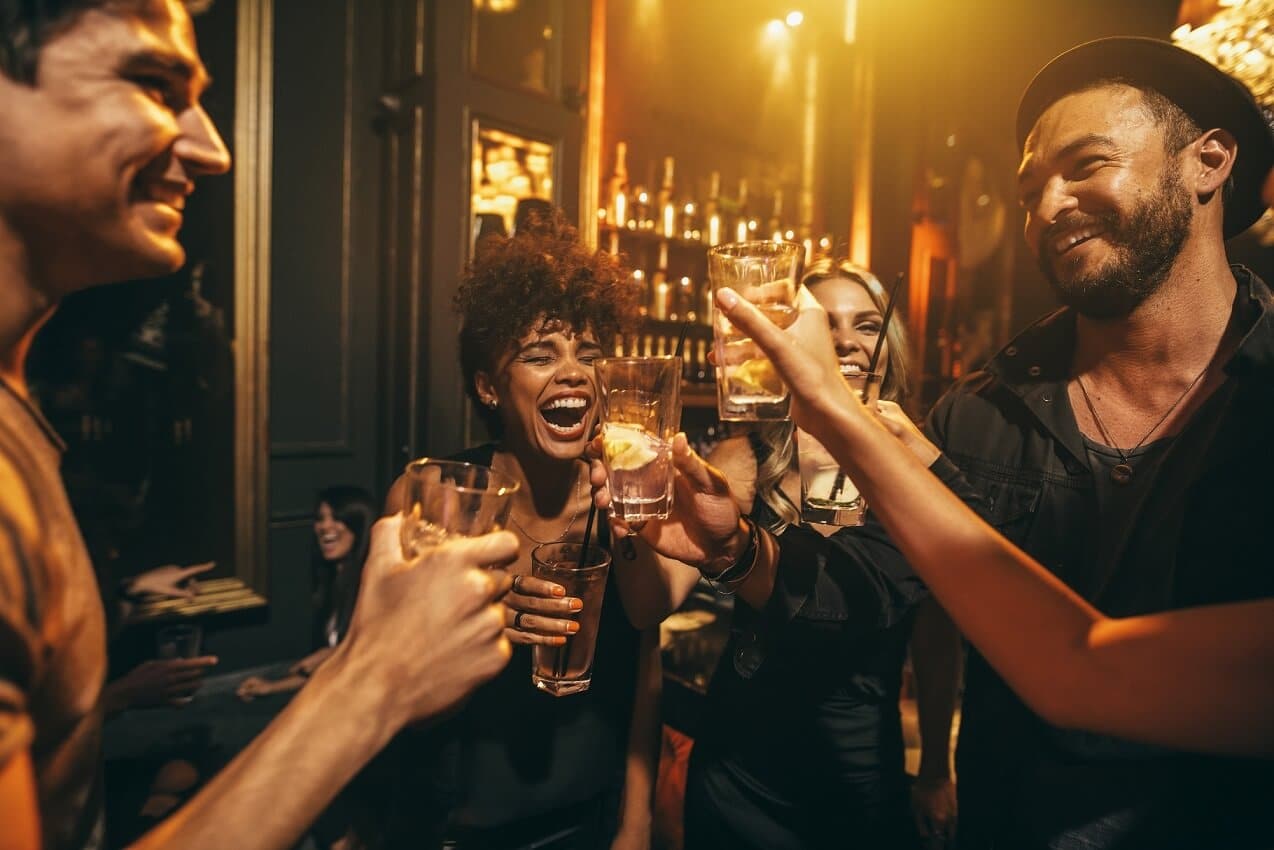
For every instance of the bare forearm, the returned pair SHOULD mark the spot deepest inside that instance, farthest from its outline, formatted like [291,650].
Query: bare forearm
[1004,602]
[276,787]
[644,736]
[936,659]
[1183,678]
[651,586]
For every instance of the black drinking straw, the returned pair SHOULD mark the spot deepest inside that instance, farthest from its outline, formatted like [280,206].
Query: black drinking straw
[875,360]
[884,324]
[681,338]
[588,532]
[559,669]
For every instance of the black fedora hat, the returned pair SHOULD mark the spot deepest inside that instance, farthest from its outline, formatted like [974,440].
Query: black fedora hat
[1208,95]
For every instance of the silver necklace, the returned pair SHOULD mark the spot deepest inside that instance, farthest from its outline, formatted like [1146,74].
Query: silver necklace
[565,531]
[1121,473]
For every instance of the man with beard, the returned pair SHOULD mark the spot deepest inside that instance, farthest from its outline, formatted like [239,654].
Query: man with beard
[102,136]
[1119,440]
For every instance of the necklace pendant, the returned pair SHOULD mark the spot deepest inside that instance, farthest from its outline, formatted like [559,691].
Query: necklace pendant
[1121,473]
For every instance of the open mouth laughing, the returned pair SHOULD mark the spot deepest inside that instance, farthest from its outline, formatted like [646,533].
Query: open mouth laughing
[566,415]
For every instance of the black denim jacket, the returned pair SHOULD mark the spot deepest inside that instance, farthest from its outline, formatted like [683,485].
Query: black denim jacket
[1198,536]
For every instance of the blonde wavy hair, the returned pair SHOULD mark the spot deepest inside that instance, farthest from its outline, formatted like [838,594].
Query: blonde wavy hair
[896,387]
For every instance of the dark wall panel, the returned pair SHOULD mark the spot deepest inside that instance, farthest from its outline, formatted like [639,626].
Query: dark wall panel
[310,311]
[325,297]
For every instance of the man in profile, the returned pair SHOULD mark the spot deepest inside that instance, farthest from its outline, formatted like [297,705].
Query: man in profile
[101,139]
[1122,441]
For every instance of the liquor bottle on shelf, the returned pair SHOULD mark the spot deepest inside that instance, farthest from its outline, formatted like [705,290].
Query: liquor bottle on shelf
[703,367]
[643,286]
[689,228]
[660,291]
[660,296]
[617,192]
[640,216]
[684,302]
[774,228]
[712,211]
[744,225]
[665,204]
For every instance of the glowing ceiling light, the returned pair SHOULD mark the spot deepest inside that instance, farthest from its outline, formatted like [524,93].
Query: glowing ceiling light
[774,28]
[795,19]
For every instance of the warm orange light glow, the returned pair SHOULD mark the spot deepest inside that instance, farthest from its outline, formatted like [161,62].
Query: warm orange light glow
[851,21]
[775,29]
[794,19]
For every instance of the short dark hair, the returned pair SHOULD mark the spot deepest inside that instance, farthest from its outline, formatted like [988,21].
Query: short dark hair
[27,25]
[543,271]
[1179,129]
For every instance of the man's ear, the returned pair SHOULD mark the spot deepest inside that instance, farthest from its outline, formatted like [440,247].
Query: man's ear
[1215,152]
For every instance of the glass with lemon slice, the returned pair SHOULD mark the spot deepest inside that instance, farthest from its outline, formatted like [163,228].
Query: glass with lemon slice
[748,387]
[640,413]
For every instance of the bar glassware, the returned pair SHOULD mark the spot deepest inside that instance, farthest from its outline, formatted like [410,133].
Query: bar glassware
[452,499]
[178,641]
[568,669]
[748,387]
[181,640]
[828,496]
[640,414]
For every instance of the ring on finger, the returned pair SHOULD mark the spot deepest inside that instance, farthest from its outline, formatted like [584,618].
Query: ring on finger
[517,620]
[517,578]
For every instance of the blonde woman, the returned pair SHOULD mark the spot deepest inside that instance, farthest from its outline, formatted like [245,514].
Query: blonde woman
[804,747]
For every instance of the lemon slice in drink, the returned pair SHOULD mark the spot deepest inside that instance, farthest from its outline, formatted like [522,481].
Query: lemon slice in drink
[626,448]
[758,376]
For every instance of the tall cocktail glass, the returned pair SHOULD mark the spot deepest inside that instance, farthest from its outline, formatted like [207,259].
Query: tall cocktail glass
[749,389]
[568,669]
[640,413]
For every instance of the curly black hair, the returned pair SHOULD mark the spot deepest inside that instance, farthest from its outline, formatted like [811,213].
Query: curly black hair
[542,274]
[27,25]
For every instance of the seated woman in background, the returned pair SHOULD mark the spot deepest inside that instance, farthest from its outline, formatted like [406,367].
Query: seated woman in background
[806,751]
[343,519]
[518,767]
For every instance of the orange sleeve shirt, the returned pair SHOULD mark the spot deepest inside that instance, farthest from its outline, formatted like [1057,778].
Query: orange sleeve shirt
[52,632]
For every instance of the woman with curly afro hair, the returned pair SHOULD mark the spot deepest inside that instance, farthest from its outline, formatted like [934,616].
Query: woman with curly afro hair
[537,311]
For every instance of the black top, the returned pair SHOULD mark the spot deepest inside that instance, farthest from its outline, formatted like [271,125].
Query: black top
[1197,535]
[512,752]
[1117,502]
[524,752]
[802,741]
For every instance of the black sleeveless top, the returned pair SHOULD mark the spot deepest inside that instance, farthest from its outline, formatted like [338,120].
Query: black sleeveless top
[807,750]
[523,752]
[510,753]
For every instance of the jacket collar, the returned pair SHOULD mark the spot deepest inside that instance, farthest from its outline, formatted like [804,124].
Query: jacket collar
[1255,354]
[1041,354]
